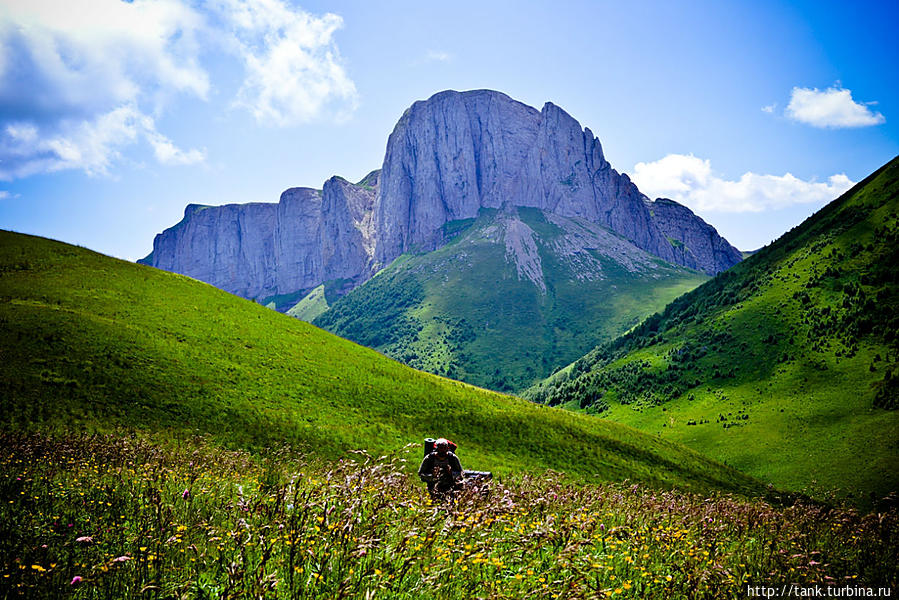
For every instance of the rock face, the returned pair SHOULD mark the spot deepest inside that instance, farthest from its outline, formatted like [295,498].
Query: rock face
[696,243]
[260,250]
[448,157]
[457,152]
[347,231]
[231,247]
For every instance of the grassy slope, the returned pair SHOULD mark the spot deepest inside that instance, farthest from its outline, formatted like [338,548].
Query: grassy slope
[781,362]
[311,306]
[90,341]
[462,310]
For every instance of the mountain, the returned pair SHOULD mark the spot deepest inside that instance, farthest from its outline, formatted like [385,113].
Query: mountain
[514,294]
[91,342]
[448,158]
[696,244]
[276,252]
[459,152]
[785,366]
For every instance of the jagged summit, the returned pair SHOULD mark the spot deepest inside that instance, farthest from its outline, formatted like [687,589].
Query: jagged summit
[457,152]
[447,158]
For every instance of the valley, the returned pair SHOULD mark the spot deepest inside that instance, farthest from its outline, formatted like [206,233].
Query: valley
[515,294]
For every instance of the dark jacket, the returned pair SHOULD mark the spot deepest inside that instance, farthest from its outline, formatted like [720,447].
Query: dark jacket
[433,464]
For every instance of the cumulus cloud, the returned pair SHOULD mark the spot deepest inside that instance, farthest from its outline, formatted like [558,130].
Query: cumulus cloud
[82,80]
[833,108]
[91,145]
[770,108]
[168,153]
[294,70]
[80,57]
[692,182]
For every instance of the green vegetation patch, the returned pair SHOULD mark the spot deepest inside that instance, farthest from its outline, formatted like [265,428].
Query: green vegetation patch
[463,311]
[94,343]
[116,516]
[785,366]
[311,306]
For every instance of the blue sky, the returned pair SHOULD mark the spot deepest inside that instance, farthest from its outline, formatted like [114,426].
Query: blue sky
[115,115]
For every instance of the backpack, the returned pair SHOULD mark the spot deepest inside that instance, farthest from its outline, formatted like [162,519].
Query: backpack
[429,445]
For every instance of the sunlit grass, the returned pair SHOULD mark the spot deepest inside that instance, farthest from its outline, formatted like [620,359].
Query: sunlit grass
[114,516]
[784,366]
[93,343]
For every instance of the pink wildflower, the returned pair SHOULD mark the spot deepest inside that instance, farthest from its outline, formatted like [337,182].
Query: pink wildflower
[84,539]
[186,494]
[76,580]
[120,559]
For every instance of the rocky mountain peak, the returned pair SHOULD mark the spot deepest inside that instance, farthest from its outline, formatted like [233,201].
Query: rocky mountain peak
[447,158]
[697,244]
[458,152]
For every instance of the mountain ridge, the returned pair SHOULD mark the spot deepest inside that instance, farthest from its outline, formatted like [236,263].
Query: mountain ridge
[164,354]
[448,157]
[792,354]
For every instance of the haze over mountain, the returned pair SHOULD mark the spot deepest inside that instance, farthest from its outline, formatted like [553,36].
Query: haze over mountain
[448,158]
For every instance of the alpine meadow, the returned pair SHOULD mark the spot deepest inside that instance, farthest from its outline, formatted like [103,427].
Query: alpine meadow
[784,366]
[163,437]
[307,300]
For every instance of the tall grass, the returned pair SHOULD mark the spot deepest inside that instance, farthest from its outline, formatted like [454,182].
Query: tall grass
[111,516]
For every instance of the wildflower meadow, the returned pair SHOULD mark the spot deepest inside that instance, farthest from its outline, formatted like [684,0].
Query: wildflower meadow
[117,515]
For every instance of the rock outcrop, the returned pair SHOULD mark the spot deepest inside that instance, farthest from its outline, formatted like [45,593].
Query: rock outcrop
[697,244]
[458,152]
[348,238]
[260,250]
[231,247]
[448,157]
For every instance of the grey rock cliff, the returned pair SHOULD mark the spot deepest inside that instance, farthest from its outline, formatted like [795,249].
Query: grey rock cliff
[259,250]
[458,152]
[347,240]
[447,158]
[297,263]
[231,247]
[696,243]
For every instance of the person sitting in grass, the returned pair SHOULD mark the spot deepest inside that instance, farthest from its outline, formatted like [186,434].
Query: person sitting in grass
[441,470]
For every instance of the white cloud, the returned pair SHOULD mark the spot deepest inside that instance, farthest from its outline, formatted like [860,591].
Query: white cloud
[294,70]
[168,154]
[691,181]
[80,79]
[81,56]
[770,108]
[438,56]
[834,107]
[5,195]
[90,145]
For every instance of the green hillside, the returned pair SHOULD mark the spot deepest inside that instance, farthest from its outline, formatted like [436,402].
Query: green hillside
[310,306]
[515,295]
[786,366]
[90,342]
